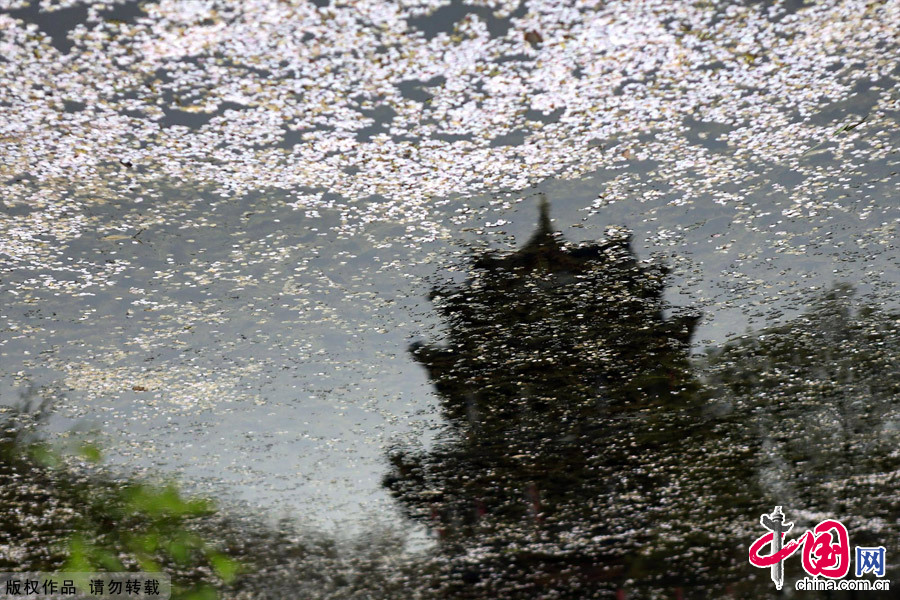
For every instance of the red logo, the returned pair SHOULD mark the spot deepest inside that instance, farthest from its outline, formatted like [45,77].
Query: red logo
[826,548]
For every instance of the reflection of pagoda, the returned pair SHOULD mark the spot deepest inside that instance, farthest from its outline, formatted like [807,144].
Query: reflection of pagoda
[584,318]
[562,382]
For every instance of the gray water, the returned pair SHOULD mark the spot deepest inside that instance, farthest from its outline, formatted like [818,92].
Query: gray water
[220,222]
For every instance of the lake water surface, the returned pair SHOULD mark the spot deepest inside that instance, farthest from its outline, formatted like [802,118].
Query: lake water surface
[220,224]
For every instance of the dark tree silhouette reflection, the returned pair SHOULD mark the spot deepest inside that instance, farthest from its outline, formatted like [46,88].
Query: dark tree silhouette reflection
[580,456]
[818,398]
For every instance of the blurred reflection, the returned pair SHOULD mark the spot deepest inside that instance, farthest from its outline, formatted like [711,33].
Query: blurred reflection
[586,454]
[583,458]
[59,512]
[821,394]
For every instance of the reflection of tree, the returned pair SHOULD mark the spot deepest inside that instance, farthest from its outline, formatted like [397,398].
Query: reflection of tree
[582,455]
[822,395]
[57,515]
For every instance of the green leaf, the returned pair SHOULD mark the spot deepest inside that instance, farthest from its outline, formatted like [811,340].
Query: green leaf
[108,560]
[90,452]
[201,593]
[79,555]
[42,454]
[225,567]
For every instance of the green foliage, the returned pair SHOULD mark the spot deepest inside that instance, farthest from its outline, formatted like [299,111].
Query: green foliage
[89,521]
[82,519]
